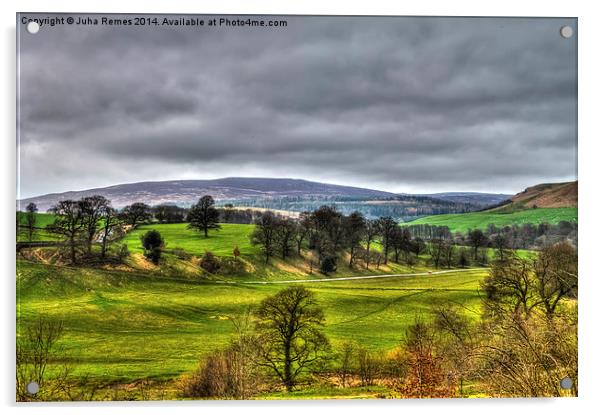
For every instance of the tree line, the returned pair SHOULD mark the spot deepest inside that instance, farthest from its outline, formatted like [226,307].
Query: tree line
[329,234]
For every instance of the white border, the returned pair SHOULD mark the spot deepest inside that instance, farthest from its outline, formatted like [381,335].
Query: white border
[590,34]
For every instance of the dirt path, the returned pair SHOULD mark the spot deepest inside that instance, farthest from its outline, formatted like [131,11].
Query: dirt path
[361,277]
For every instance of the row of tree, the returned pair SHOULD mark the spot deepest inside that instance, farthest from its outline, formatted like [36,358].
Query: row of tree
[329,233]
[525,236]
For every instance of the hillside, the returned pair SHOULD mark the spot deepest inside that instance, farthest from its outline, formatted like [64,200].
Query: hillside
[547,195]
[462,222]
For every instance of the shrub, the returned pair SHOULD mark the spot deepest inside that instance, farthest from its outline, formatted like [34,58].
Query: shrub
[181,253]
[210,262]
[151,239]
[154,255]
[152,243]
[328,265]
[228,373]
[123,252]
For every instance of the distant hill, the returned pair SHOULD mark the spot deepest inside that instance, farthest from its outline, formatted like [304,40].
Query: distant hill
[186,192]
[481,199]
[547,195]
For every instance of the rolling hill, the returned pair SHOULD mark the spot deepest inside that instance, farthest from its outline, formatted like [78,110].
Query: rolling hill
[547,195]
[264,192]
[548,202]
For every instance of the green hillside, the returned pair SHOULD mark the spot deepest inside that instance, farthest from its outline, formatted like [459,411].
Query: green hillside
[462,222]
[121,327]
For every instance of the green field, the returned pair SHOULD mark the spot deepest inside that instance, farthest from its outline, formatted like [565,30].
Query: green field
[122,326]
[462,222]
[178,235]
[40,234]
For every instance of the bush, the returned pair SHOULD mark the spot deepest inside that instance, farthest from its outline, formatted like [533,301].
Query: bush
[154,255]
[328,265]
[210,262]
[228,373]
[152,243]
[229,266]
[181,254]
[151,239]
[123,252]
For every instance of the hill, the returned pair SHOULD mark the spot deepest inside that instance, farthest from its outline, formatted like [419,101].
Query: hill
[185,192]
[278,193]
[547,195]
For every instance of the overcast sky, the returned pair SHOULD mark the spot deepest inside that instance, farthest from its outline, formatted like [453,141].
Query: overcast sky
[398,104]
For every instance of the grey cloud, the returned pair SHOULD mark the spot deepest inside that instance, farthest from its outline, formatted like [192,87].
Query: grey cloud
[402,104]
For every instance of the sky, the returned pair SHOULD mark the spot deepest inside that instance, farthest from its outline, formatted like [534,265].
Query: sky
[401,104]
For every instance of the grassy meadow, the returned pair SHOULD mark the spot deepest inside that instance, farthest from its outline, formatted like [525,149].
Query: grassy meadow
[40,234]
[122,326]
[462,222]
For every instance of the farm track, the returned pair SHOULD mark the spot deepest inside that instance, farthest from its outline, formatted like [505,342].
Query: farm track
[360,277]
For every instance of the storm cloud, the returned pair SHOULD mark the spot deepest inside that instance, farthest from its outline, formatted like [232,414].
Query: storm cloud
[396,104]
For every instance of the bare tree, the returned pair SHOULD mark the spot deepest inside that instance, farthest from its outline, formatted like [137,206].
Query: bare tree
[111,222]
[69,223]
[386,225]
[355,226]
[555,275]
[93,208]
[136,213]
[264,234]
[372,231]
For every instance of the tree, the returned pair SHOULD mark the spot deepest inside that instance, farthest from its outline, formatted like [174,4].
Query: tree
[136,213]
[204,216]
[401,241]
[344,370]
[304,227]
[370,234]
[285,234]
[463,258]
[93,208]
[264,234]
[290,340]
[386,225]
[69,223]
[555,275]
[500,243]
[477,239]
[328,230]
[152,243]
[508,288]
[426,377]
[30,220]
[458,344]
[236,252]
[355,226]
[228,211]
[111,220]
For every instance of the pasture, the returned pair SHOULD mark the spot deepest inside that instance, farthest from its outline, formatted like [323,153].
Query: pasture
[462,222]
[125,326]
